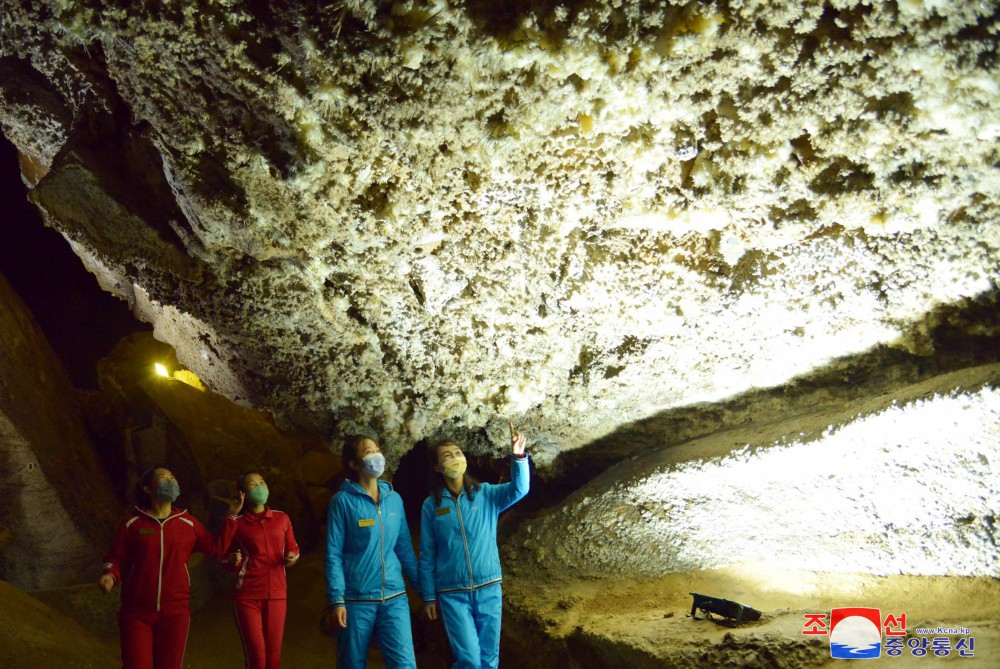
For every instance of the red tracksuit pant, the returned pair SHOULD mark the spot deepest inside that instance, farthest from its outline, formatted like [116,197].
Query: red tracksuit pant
[262,625]
[153,640]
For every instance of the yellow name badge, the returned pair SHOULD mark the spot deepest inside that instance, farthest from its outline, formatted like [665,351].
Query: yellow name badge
[366,522]
[441,512]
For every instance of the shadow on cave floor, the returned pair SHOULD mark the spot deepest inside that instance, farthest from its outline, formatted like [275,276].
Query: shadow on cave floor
[215,642]
[958,336]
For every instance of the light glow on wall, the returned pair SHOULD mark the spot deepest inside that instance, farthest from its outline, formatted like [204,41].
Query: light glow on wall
[911,488]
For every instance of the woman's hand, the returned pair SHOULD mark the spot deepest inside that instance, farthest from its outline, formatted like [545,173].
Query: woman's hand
[106,583]
[340,616]
[431,611]
[333,620]
[237,504]
[235,559]
[291,559]
[517,440]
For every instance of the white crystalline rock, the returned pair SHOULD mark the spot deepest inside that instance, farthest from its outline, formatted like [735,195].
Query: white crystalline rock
[910,488]
[422,218]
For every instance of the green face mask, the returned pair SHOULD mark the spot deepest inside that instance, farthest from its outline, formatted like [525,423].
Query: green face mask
[258,495]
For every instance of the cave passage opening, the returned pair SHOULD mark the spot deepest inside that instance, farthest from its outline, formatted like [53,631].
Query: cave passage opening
[81,322]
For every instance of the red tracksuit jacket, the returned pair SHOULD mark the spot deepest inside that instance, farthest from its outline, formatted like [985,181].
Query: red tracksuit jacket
[265,539]
[150,557]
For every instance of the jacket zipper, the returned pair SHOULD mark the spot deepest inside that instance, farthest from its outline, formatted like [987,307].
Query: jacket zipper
[267,554]
[465,542]
[159,583]
[381,541]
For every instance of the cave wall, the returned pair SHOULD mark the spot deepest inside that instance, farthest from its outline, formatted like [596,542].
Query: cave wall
[58,505]
[37,635]
[900,483]
[423,218]
[170,418]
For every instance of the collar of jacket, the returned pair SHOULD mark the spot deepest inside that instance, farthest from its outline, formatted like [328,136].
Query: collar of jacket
[384,488]
[174,513]
[250,515]
[447,493]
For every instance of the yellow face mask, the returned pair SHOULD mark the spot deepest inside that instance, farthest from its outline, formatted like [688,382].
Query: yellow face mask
[453,469]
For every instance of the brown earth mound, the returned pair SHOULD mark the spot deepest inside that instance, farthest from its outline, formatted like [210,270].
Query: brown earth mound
[32,635]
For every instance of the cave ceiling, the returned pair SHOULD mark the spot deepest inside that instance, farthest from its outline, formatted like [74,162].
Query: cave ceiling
[423,218]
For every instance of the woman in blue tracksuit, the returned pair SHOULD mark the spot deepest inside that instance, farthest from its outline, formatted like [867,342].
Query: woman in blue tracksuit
[459,561]
[368,548]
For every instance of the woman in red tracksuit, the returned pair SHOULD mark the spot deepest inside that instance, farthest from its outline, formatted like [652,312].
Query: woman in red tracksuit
[149,558]
[263,546]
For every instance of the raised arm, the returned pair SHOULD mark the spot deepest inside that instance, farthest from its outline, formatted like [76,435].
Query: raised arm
[216,545]
[508,494]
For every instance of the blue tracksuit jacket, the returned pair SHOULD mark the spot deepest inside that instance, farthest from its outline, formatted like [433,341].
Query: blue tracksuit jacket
[368,547]
[458,539]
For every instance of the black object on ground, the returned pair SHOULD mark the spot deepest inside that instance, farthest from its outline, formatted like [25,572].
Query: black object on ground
[733,613]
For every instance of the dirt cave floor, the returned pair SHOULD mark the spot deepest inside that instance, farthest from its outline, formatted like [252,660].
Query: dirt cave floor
[557,621]
[647,623]
[214,641]
[34,635]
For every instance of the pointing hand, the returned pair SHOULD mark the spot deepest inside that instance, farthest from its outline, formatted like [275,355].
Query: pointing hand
[517,440]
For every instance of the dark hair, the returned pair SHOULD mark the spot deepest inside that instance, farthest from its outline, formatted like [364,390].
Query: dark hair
[241,482]
[142,498]
[437,483]
[350,452]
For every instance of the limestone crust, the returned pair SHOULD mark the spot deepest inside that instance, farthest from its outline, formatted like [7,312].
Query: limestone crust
[423,218]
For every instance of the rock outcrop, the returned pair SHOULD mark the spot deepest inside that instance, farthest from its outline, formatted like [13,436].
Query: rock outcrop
[791,512]
[57,507]
[168,417]
[424,218]
[899,484]
[35,635]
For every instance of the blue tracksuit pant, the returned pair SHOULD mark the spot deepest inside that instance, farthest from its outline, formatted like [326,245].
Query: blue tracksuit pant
[390,623]
[472,623]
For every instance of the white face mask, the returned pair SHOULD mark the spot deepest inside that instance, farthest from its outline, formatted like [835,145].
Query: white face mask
[454,469]
[374,464]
